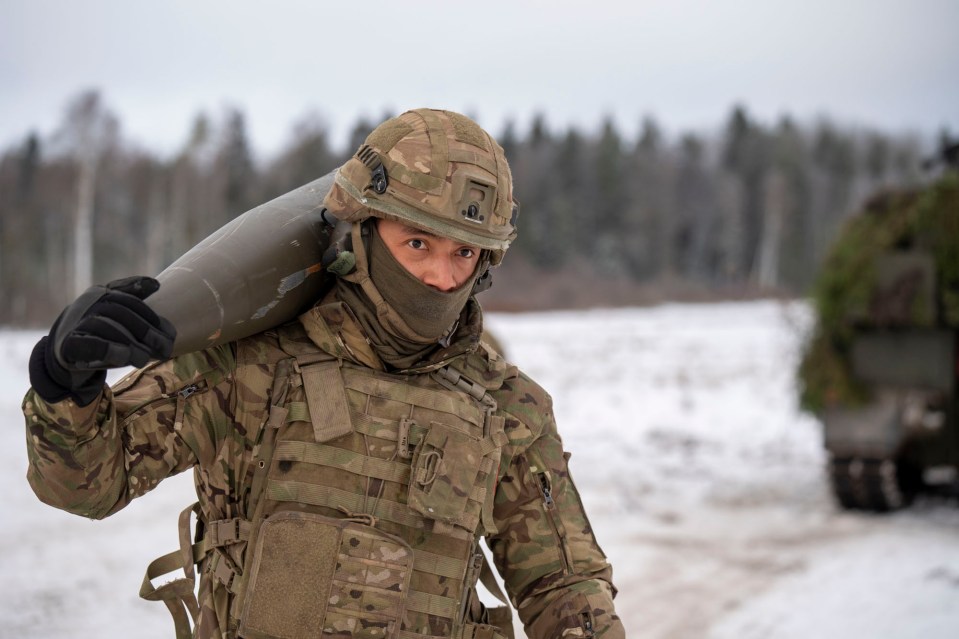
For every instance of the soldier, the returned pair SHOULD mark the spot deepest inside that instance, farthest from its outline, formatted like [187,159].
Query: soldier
[348,462]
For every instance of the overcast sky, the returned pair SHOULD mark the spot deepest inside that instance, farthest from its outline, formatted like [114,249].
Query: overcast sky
[889,64]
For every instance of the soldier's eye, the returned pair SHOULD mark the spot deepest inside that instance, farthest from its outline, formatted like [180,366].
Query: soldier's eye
[466,252]
[416,244]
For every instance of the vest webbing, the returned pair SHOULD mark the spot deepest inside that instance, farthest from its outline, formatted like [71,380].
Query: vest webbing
[359,464]
[178,592]
[423,560]
[437,400]
[177,595]
[373,426]
[392,511]
[432,604]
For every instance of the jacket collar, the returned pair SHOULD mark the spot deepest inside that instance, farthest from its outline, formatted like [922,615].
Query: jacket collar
[333,328]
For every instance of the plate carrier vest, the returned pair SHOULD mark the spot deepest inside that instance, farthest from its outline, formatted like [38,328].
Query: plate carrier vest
[368,495]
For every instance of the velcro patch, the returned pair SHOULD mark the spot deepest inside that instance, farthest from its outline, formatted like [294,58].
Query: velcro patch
[315,576]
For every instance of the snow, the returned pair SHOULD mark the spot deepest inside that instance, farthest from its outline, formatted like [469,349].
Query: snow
[703,481]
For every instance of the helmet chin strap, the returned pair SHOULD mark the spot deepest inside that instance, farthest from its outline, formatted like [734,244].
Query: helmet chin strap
[339,257]
[485,279]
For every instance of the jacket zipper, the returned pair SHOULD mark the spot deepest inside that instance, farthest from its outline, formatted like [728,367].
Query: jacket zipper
[546,489]
[180,396]
[185,393]
[587,620]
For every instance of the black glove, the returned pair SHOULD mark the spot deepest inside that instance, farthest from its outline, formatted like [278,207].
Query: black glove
[106,327]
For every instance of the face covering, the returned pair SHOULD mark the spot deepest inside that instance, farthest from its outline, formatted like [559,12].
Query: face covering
[404,318]
[428,311]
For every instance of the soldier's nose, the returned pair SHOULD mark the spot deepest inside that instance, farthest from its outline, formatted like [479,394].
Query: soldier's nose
[440,276]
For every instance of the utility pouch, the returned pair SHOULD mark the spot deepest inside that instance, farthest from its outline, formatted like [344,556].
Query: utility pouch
[315,576]
[446,464]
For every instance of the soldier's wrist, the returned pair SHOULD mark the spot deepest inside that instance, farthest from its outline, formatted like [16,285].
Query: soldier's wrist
[53,383]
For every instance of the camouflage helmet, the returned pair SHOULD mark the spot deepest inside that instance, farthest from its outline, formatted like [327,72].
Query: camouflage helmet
[435,170]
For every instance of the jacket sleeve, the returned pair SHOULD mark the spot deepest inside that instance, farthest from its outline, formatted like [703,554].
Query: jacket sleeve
[154,423]
[557,576]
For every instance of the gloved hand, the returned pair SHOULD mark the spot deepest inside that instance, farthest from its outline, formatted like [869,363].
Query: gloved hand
[106,327]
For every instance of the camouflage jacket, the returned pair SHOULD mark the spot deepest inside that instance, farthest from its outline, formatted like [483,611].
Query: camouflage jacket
[208,411]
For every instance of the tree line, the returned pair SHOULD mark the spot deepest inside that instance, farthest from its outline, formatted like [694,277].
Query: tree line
[749,206]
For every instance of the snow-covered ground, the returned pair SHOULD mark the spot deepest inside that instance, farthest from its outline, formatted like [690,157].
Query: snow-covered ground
[703,481]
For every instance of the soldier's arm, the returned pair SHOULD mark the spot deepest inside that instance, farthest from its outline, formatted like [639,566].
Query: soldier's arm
[156,422]
[556,574]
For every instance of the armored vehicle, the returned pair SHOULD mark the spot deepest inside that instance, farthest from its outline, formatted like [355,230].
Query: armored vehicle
[880,369]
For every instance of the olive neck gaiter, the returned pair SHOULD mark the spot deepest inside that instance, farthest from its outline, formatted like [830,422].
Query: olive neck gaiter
[404,318]
[428,311]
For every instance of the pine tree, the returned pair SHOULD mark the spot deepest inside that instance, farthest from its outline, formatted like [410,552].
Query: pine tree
[745,156]
[609,202]
[307,158]
[649,204]
[236,163]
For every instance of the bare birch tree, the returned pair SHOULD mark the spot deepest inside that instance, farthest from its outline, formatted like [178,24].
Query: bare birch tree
[87,132]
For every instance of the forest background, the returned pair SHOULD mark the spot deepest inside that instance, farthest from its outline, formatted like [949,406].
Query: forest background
[744,211]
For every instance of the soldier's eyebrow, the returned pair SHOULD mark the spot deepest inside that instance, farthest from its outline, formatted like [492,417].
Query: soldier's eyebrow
[412,230]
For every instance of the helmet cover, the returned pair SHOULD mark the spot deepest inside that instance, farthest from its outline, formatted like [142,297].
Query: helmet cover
[434,170]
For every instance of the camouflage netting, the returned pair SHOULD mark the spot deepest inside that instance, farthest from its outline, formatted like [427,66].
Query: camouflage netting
[915,236]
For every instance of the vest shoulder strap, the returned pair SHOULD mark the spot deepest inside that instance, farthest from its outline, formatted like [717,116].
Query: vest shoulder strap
[295,343]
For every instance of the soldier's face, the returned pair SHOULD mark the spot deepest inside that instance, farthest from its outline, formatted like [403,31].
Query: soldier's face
[436,261]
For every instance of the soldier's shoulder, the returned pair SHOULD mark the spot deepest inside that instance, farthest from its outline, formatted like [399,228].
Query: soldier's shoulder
[272,345]
[211,364]
[526,405]
[513,389]
[220,358]
[484,366]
